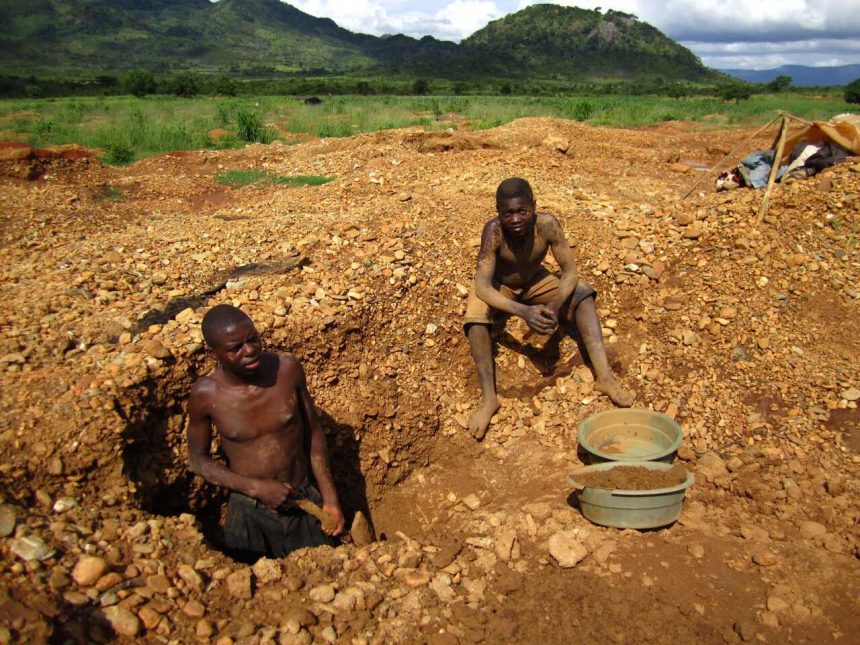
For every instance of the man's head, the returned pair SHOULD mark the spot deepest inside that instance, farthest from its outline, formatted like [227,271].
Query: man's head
[515,204]
[231,335]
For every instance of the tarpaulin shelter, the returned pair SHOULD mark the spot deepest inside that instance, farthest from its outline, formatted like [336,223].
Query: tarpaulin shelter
[842,130]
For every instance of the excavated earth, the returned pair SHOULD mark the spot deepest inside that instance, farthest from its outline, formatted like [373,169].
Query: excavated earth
[747,332]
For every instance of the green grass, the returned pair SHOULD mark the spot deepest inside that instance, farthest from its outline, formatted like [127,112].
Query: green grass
[125,129]
[238,178]
[300,180]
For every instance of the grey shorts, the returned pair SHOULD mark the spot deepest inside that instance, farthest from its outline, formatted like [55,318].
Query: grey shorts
[253,529]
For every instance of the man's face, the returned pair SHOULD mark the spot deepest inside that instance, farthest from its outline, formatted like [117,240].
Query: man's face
[239,348]
[517,215]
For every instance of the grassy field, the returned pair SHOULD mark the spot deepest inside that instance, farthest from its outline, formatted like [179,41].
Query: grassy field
[123,129]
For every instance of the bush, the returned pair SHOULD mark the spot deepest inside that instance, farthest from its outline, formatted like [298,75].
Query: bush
[139,83]
[185,85]
[583,111]
[735,91]
[250,129]
[225,86]
[852,92]
[119,154]
[420,86]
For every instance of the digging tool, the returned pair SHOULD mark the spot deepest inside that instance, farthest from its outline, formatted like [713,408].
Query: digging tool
[309,507]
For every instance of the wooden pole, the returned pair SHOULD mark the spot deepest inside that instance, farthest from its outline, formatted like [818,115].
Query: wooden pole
[732,152]
[773,170]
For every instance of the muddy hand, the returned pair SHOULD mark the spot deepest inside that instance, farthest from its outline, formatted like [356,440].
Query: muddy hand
[540,319]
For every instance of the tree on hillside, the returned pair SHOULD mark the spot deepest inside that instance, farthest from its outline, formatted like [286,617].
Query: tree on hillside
[185,85]
[139,83]
[420,86]
[224,86]
[735,91]
[852,91]
[779,84]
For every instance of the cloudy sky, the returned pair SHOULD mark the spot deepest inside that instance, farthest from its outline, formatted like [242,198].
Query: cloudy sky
[760,34]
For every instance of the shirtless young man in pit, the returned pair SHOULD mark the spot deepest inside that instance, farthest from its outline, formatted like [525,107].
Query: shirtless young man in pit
[511,279]
[260,406]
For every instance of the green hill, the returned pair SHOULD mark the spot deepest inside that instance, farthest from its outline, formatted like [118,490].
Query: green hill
[268,38]
[568,42]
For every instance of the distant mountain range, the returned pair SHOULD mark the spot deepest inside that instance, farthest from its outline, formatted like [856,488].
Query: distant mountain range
[268,38]
[800,74]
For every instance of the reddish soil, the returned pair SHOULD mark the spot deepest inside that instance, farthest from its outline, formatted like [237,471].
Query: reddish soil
[633,478]
[746,333]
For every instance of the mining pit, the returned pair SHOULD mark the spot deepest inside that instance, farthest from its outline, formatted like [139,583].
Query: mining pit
[746,332]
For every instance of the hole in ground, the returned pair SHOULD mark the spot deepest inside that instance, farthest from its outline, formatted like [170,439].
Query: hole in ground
[369,451]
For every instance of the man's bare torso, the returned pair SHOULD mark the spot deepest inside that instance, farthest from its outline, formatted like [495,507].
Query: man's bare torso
[261,426]
[517,262]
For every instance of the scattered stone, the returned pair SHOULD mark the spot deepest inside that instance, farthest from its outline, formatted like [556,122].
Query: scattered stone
[851,394]
[566,549]
[765,558]
[267,570]
[472,501]
[811,530]
[88,570]
[122,620]
[239,583]
[7,520]
[191,577]
[30,548]
[322,593]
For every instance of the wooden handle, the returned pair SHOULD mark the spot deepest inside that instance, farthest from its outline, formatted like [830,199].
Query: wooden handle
[327,521]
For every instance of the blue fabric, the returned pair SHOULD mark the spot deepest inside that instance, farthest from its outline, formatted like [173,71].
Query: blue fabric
[755,168]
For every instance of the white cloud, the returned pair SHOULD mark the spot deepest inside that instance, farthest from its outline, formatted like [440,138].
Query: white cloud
[812,31]
[453,21]
[762,55]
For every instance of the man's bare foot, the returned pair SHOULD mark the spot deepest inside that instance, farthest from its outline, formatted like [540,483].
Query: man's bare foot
[621,398]
[480,419]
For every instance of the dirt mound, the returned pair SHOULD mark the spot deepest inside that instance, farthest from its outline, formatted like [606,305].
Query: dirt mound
[745,333]
[20,161]
[446,141]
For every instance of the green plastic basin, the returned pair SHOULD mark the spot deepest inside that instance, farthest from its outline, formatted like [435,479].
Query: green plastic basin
[630,509]
[631,434]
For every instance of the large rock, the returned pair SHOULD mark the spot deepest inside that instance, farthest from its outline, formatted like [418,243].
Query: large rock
[122,620]
[566,549]
[322,593]
[30,548]
[711,466]
[239,583]
[267,570]
[88,570]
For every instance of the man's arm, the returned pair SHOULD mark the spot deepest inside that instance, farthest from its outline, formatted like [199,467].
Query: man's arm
[269,491]
[491,241]
[536,316]
[563,254]
[319,453]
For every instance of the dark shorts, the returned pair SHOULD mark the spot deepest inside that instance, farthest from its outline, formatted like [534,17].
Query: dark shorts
[252,529]
[540,290]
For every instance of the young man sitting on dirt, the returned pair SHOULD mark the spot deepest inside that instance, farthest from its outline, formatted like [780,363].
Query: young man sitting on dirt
[511,280]
[260,405]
